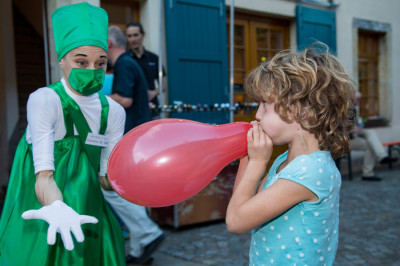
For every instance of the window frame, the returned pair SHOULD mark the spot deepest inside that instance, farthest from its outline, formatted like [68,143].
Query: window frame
[368,56]
[250,24]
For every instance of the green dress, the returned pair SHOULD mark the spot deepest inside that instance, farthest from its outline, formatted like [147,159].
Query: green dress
[24,242]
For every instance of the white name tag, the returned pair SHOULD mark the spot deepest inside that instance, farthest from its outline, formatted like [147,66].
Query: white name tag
[97,140]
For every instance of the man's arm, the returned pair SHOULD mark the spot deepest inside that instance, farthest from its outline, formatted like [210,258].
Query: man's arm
[152,94]
[164,81]
[46,188]
[124,82]
[126,102]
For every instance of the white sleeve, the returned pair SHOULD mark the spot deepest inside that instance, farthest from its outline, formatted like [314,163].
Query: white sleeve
[42,112]
[115,131]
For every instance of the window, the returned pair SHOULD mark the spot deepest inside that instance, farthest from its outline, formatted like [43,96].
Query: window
[368,75]
[256,40]
[121,12]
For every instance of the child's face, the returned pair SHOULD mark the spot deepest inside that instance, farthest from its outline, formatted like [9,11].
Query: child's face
[278,130]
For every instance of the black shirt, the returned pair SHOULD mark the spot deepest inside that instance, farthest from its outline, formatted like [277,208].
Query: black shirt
[129,81]
[149,64]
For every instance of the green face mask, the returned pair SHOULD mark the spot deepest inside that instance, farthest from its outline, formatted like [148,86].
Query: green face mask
[86,81]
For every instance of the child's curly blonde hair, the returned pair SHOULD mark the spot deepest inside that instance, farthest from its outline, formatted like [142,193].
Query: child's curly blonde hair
[311,88]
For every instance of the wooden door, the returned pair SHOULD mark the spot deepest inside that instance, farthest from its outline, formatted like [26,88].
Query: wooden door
[121,12]
[368,76]
[256,39]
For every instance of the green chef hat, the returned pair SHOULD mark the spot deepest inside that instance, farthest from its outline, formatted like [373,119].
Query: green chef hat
[79,25]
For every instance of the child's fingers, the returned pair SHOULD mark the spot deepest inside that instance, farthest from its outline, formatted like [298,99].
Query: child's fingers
[250,136]
[262,135]
[256,133]
[254,123]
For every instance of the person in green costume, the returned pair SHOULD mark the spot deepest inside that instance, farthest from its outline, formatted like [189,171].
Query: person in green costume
[61,160]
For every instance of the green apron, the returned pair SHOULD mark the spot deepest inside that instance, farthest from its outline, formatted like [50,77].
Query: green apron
[24,242]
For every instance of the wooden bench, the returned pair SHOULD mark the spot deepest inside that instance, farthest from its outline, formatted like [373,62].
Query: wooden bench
[392,145]
[348,157]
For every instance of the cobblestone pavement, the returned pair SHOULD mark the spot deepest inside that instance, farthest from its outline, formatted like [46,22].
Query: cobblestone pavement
[369,231]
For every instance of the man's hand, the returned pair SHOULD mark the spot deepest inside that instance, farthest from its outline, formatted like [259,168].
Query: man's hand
[105,184]
[126,102]
[359,131]
[152,94]
[62,219]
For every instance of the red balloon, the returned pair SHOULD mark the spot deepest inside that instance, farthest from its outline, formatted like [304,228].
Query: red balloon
[166,161]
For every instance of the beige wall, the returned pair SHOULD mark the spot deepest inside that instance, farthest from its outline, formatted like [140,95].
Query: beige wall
[386,12]
[150,20]
[274,7]
[8,86]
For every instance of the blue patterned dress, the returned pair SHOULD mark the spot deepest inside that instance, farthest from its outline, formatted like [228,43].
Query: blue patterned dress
[307,233]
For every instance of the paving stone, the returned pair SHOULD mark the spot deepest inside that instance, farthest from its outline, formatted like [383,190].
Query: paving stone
[369,232]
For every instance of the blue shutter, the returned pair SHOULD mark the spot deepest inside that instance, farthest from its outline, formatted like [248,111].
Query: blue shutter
[197,56]
[315,25]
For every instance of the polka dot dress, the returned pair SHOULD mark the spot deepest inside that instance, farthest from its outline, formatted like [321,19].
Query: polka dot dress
[306,234]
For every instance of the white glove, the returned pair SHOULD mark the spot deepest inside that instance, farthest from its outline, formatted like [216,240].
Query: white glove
[63,219]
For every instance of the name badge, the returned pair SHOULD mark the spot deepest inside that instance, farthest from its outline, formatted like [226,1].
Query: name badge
[97,140]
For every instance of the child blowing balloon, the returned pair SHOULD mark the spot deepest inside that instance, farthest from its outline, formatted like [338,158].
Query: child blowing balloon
[305,102]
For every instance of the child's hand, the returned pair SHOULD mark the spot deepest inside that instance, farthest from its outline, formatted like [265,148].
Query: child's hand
[259,144]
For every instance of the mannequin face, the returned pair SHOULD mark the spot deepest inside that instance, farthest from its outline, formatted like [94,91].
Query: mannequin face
[134,37]
[89,57]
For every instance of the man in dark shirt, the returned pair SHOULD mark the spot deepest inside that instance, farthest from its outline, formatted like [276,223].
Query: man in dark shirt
[129,85]
[148,62]
[130,90]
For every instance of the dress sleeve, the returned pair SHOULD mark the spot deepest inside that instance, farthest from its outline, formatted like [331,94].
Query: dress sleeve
[311,173]
[115,131]
[42,113]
